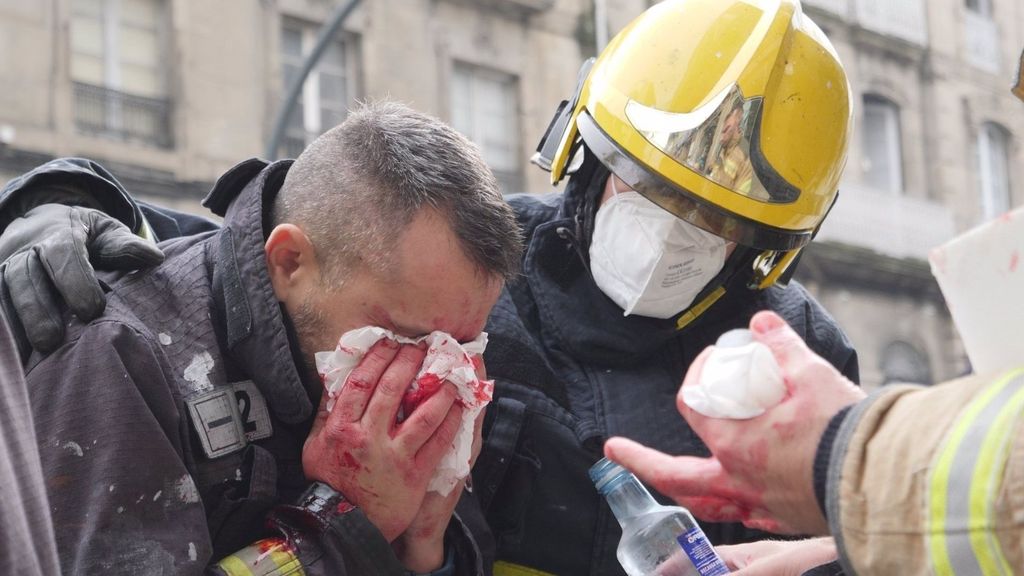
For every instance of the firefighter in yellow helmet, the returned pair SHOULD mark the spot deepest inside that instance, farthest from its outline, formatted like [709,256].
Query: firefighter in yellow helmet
[910,480]
[732,116]
[700,152]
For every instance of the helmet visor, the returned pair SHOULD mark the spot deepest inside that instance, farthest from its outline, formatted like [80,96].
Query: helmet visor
[720,140]
[683,203]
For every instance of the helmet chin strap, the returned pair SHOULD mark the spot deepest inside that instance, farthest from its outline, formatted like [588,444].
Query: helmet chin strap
[694,311]
[742,259]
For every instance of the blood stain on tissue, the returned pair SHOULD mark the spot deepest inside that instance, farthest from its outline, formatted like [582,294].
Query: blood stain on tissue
[482,390]
[1014,259]
[426,386]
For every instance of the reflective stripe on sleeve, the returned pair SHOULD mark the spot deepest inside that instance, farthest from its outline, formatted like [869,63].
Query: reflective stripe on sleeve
[965,480]
[270,557]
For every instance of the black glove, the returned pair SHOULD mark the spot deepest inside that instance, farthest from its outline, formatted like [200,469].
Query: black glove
[48,256]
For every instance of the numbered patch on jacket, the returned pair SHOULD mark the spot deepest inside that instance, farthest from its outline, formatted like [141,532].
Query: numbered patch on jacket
[253,410]
[227,419]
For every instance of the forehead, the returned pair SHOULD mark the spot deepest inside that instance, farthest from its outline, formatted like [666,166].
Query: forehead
[414,313]
[434,285]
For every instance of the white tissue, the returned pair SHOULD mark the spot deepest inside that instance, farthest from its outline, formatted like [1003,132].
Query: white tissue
[737,381]
[446,359]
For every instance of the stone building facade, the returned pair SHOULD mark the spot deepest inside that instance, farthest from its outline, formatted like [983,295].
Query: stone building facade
[936,151]
[170,93]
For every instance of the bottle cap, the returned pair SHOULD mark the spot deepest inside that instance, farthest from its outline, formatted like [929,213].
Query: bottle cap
[604,473]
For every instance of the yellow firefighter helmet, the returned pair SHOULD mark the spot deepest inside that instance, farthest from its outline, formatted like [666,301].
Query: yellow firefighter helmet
[734,115]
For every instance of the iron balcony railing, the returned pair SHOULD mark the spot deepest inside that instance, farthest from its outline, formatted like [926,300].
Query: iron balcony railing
[104,112]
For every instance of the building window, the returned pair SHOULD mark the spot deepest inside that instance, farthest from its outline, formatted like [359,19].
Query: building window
[904,364]
[980,7]
[882,151]
[981,37]
[118,70]
[485,107]
[329,90]
[993,169]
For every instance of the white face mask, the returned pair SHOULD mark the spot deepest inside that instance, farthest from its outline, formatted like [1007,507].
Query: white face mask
[648,261]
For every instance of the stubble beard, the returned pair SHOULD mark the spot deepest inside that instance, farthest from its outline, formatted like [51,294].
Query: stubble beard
[310,328]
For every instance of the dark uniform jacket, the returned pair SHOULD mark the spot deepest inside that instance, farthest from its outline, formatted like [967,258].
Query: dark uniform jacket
[173,425]
[570,371]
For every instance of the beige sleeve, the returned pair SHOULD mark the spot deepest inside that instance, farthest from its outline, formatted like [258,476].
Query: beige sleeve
[924,479]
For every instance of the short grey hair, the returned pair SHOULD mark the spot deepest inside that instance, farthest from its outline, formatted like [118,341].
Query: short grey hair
[358,186]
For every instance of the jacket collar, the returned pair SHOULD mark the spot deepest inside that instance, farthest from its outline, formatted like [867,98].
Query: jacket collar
[256,334]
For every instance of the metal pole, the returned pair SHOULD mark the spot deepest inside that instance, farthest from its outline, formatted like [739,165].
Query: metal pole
[323,39]
[600,24]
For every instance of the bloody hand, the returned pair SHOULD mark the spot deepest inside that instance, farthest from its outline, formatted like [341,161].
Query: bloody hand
[760,472]
[359,449]
[421,546]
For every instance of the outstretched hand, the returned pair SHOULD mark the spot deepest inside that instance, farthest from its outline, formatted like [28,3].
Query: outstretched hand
[760,470]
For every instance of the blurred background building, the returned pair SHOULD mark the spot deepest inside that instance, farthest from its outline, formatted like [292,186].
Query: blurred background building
[170,93]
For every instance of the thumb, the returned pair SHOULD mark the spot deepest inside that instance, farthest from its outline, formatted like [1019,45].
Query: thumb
[114,246]
[786,345]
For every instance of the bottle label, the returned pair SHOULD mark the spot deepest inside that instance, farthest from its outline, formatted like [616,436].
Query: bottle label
[701,553]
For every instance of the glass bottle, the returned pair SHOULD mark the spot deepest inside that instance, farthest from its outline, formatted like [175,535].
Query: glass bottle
[656,539]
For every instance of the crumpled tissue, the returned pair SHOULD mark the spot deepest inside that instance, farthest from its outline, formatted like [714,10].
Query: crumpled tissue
[740,379]
[446,359]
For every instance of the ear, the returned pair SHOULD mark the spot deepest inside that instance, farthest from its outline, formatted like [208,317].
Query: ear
[291,262]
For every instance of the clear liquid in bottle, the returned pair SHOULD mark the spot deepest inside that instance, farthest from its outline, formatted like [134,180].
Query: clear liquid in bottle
[656,539]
